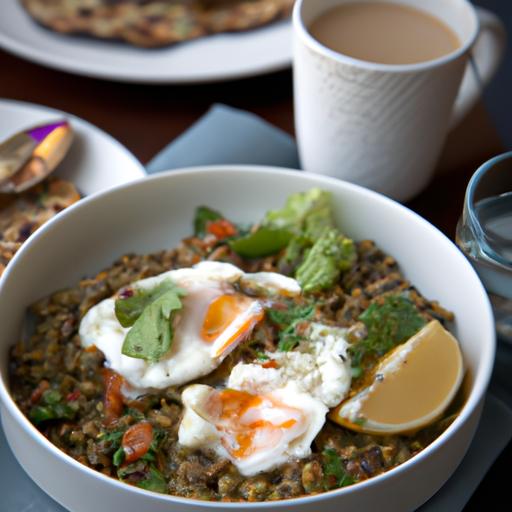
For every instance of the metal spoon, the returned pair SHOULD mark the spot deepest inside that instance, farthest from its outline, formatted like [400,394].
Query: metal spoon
[29,156]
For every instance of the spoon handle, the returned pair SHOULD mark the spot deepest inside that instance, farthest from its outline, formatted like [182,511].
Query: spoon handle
[30,156]
[14,153]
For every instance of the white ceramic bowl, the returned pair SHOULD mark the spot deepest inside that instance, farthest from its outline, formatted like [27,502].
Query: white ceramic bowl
[156,213]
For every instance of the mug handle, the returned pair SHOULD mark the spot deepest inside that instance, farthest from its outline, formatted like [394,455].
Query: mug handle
[484,59]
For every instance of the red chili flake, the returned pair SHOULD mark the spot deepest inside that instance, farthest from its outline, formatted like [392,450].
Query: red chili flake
[221,228]
[126,293]
[73,396]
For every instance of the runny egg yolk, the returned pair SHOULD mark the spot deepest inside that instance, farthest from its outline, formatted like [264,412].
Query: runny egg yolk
[228,318]
[254,423]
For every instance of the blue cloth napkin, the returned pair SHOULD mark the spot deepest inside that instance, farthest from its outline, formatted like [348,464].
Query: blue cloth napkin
[229,136]
[225,135]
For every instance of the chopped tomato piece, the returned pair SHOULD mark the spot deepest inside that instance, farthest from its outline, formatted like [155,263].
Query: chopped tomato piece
[113,403]
[38,391]
[137,441]
[221,228]
[272,363]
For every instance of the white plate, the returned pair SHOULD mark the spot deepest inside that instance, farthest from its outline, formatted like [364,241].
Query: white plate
[96,161]
[220,57]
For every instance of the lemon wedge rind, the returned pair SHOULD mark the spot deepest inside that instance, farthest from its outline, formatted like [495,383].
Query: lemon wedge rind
[442,376]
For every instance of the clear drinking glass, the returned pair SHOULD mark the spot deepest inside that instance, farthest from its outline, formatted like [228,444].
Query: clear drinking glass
[484,234]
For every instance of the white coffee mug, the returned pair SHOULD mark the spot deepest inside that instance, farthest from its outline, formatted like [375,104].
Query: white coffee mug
[383,126]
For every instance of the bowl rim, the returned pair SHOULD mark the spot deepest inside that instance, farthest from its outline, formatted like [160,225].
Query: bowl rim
[479,387]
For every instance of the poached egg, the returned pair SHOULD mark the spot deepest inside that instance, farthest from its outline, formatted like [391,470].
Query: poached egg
[216,316]
[271,410]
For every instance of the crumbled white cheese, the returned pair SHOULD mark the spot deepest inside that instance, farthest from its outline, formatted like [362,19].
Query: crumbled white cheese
[320,367]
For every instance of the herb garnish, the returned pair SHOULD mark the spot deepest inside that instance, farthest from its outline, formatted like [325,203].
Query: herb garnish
[203,216]
[261,356]
[154,481]
[295,226]
[287,320]
[389,324]
[263,242]
[118,457]
[113,438]
[150,313]
[335,474]
[52,407]
[128,309]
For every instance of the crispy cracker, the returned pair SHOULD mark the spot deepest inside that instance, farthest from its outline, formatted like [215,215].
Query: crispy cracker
[22,214]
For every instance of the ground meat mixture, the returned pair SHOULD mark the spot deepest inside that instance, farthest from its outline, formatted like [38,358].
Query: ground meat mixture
[51,374]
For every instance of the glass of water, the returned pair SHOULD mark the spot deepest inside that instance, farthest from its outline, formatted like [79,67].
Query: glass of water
[484,234]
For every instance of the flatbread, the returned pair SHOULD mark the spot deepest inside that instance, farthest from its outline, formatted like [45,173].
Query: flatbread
[154,23]
[21,215]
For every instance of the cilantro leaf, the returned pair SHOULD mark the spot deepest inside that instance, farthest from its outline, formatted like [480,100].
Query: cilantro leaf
[118,457]
[202,217]
[289,339]
[335,474]
[149,456]
[151,336]
[295,226]
[56,411]
[154,481]
[113,438]
[284,317]
[388,324]
[261,356]
[149,314]
[287,320]
[129,309]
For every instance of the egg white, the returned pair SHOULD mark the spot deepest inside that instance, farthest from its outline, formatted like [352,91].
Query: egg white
[197,431]
[320,366]
[311,379]
[189,357]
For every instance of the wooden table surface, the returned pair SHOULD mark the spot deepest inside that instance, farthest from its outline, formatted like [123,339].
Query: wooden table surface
[145,118]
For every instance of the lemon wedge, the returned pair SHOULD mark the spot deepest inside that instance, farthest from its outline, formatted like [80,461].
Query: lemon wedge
[411,388]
